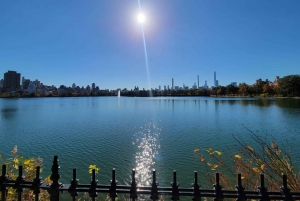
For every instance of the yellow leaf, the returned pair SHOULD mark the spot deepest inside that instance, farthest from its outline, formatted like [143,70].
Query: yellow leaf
[218,152]
[210,148]
[256,170]
[211,153]
[26,162]
[10,192]
[238,156]
[92,166]
[262,166]
[209,164]
[41,170]
[196,149]
[202,159]
[250,148]
[213,169]
[47,179]
[242,177]
[215,166]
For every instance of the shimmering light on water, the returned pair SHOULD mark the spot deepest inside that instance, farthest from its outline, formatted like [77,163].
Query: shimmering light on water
[148,145]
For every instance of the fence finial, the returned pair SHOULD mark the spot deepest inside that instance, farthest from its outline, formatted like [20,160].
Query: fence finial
[154,193]
[240,189]
[218,189]
[36,183]
[133,193]
[53,189]
[3,179]
[113,186]
[196,189]
[74,185]
[285,191]
[92,190]
[262,189]
[175,185]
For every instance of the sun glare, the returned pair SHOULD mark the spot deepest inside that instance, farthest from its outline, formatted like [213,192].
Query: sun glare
[141,18]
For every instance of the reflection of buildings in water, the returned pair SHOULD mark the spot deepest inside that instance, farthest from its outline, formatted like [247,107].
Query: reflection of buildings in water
[7,113]
[147,142]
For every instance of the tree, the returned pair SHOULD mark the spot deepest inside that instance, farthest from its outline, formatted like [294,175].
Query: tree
[289,86]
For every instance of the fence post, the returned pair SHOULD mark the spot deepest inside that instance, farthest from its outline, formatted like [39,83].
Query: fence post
[133,194]
[218,189]
[92,191]
[262,189]
[240,189]
[285,191]
[74,184]
[36,184]
[19,181]
[3,179]
[113,186]
[54,187]
[175,185]
[154,185]
[196,189]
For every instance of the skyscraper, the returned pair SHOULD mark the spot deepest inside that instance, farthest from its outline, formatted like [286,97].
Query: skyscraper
[198,80]
[11,80]
[173,83]
[215,79]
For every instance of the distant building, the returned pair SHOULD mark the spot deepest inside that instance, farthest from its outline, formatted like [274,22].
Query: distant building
[172,83]
[1,83]
[234,84]
[195,86]
[215,79]
[11,81]
[275,83]
[31,87]
[73,86]
[93,86]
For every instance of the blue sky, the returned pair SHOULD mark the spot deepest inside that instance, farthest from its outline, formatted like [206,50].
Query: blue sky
[81,42]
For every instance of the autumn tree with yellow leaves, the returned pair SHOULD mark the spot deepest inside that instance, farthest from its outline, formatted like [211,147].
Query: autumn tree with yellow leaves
[266,158]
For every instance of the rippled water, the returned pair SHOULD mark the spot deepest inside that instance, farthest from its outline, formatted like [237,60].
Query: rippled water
[141,133]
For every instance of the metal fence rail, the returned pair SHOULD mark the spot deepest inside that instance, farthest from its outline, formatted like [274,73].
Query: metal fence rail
[195,192]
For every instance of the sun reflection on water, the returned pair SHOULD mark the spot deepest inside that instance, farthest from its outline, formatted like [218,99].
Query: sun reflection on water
[148,145]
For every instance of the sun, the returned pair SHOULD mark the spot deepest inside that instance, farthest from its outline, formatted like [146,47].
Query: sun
[141,18]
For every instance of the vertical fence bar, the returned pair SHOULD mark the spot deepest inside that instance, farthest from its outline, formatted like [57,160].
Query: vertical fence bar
[262,189]
[196,189]
[54,187]
[74,185]
[133,193]
[240,189]
[285,191]
[218,189]
[154,193]
[92,190]
[20,179]
[175,185]
[36,184]
[3,179]
[113,186]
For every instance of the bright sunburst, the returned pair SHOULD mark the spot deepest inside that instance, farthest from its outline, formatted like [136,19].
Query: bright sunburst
[141,18]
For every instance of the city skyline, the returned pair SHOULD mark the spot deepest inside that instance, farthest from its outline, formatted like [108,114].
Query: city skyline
[101,42]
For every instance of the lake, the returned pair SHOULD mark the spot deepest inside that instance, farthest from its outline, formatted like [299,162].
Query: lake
[143,133]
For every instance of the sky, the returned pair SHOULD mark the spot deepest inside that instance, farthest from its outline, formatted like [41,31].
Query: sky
[100,41]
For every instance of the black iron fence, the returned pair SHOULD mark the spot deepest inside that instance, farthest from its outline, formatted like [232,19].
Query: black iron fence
[195,192]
